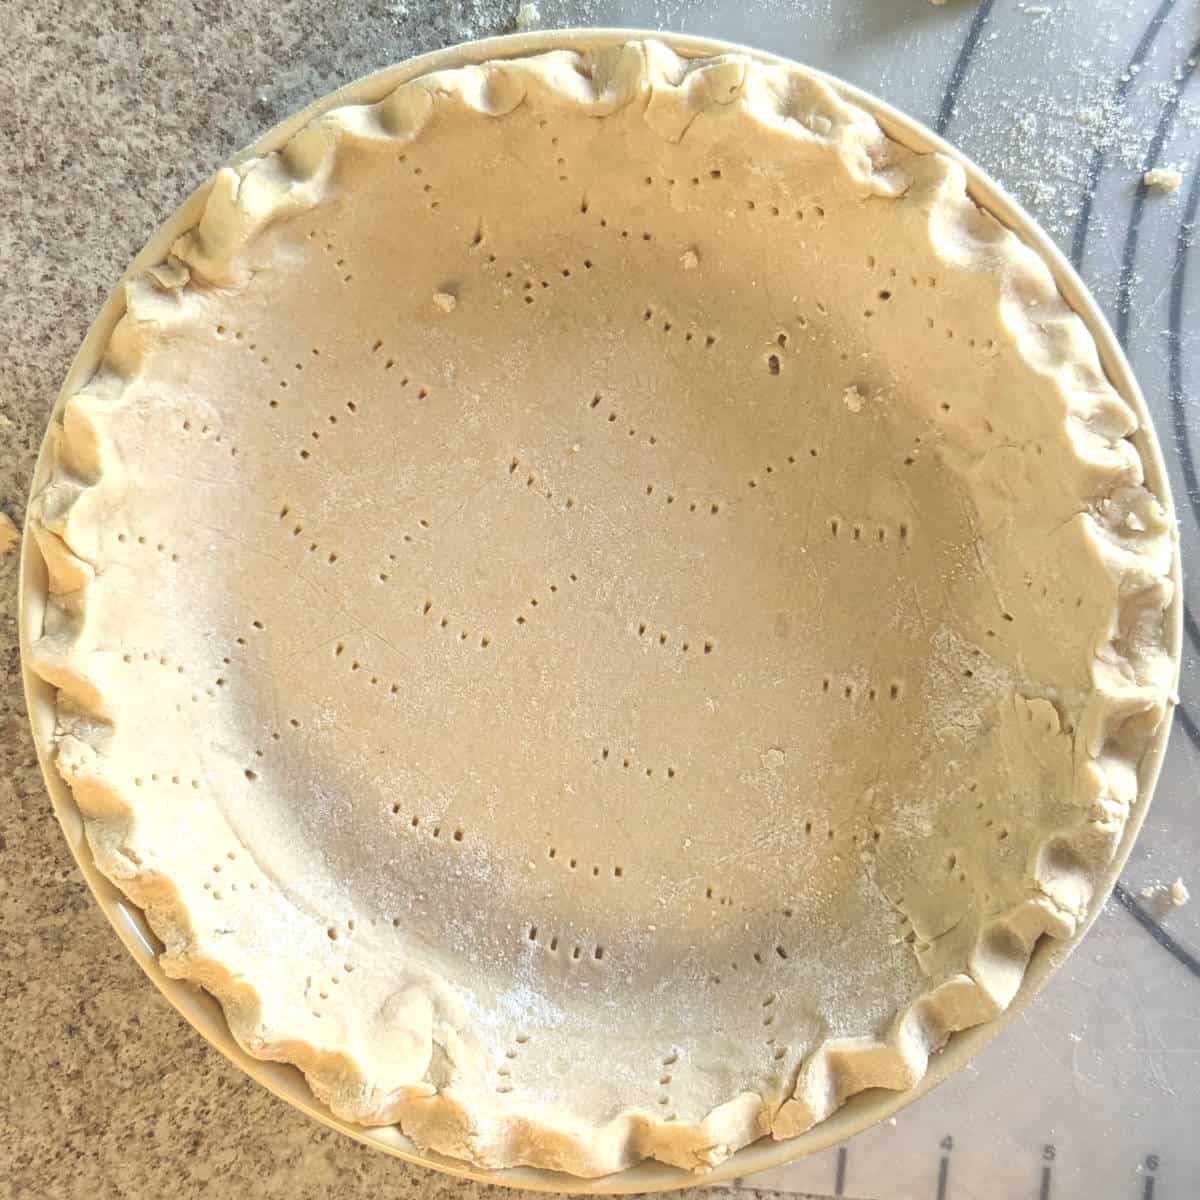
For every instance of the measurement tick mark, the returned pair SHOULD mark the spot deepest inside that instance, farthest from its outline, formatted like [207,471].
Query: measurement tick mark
[839,1181]
[1044,1194]
[943,1177]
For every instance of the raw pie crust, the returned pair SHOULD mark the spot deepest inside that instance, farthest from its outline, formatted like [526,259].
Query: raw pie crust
[601,607]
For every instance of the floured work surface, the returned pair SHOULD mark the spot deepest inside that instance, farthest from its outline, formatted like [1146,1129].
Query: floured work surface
[602,608]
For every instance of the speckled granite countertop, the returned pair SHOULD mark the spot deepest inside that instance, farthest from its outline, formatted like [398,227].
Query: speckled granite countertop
[112,111]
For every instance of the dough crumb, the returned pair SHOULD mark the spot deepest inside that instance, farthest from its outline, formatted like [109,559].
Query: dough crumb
[446,301]
[853,399]
[690,260]
[10,535]
[1163,896]
[1163,179]
[528,15]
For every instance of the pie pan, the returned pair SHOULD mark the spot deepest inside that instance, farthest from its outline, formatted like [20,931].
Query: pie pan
[1062,857]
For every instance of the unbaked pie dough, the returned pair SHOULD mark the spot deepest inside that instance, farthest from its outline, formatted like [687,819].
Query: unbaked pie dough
[601,607]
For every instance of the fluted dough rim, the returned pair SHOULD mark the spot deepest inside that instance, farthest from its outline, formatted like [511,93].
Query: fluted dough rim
[1132,673]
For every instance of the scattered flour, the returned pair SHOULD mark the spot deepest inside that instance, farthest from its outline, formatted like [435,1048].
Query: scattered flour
[1043,154]
[963,685]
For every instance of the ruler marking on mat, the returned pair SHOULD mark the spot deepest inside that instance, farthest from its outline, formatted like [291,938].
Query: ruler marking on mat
[839,1179]
[943,1177]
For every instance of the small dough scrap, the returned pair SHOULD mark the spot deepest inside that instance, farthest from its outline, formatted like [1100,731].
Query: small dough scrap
[446,301]
[528,16]
[1163,179]
[10,535]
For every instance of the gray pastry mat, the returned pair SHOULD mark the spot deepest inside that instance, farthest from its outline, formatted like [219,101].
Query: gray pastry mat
[1095,1090]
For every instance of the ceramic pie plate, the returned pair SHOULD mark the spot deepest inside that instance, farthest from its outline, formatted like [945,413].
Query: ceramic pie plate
[558,872]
